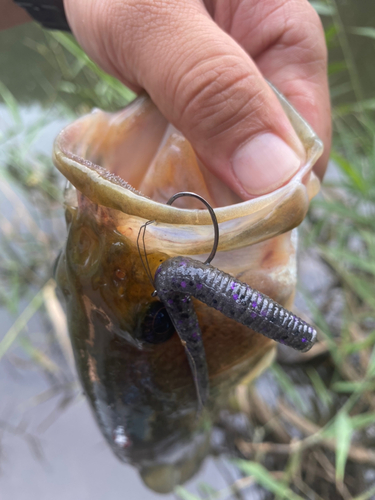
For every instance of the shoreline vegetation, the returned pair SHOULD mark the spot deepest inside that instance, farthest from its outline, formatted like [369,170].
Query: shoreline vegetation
[314,437]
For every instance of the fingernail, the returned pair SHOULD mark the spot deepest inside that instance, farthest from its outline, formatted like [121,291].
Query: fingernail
[265,163]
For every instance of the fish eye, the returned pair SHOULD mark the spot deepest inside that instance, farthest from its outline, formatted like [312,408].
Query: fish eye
[157,326]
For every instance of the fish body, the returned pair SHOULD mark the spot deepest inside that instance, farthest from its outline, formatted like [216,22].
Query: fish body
[122,168]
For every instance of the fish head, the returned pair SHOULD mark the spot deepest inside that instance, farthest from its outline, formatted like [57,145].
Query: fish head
[121,169]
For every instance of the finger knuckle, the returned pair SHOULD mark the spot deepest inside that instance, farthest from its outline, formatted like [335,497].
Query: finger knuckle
[124,27]
[304,33]
[217,92]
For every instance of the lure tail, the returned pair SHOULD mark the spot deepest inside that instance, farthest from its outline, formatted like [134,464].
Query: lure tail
[181,311]
[179,278]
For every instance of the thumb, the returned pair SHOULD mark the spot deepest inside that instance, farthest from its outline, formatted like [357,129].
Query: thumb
[200,79]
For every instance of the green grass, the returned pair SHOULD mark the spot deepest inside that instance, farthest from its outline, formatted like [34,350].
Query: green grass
[325,443]
[333,448]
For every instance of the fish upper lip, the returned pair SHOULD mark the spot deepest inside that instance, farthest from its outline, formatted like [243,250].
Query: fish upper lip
[70,164]
[78,168]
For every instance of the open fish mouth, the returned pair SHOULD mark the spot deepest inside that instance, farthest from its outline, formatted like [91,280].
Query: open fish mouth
[134,161]
[131,162]
[124,167]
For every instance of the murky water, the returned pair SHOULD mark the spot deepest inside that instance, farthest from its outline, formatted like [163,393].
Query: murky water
[50,444]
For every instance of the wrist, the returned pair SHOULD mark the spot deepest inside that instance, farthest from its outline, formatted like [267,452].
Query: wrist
[12,15]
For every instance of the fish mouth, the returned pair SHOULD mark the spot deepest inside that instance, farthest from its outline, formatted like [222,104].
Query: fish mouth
[133,161]
[126,165]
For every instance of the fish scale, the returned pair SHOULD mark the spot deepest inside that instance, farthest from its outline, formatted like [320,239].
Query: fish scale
[146,405]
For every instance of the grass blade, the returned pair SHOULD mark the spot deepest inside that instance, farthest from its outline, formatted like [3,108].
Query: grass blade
[371,366]
[184,494]
[351,172]
[322,8]
[10,103]
[366,495]
[344,432]
[288,386]
[71,46]
[366,31]
[265,479]
[21,322]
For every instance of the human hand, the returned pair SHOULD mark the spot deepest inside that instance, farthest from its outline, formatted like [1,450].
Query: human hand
[204,64]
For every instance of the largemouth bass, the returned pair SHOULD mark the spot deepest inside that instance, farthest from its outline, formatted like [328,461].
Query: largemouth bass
[122,168]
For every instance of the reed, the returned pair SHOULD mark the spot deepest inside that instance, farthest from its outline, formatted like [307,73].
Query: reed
[313,438]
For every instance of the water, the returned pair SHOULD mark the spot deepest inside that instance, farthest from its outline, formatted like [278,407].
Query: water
[52,448]
[48,434]
[49,437]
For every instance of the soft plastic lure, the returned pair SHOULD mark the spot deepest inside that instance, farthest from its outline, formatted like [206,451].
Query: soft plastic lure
[178,279]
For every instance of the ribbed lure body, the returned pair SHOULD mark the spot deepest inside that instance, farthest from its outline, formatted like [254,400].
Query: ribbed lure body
[178,278]
[181,311]
[236,300]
